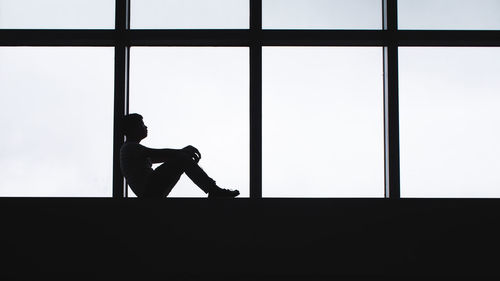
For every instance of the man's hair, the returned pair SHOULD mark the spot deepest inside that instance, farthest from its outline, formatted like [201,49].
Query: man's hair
[130,122]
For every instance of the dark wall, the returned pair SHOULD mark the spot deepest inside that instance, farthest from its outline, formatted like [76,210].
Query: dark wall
[243,239]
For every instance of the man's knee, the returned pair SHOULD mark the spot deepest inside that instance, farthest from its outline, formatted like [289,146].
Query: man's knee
[183,161]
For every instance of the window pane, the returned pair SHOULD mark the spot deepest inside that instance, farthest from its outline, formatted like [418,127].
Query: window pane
[321,14]
[323,132]
[190,14]
[196,96]
[449,100]
[57,121]
[57,14]
[449,14]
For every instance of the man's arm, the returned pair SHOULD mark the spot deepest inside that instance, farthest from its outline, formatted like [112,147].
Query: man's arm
[161,155]
[164,154]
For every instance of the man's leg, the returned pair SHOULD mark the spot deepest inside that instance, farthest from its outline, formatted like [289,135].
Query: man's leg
[195,173]
[203,181]
[168,174]
[162,180]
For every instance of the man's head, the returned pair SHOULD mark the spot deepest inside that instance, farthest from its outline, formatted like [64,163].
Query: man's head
[133,127]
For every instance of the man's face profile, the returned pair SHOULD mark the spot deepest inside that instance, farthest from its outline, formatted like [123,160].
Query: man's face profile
[142,130]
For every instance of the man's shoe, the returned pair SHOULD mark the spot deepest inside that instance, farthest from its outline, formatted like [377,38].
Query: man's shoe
[223,193]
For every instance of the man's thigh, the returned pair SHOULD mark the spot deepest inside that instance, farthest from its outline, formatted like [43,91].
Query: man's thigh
[163,179]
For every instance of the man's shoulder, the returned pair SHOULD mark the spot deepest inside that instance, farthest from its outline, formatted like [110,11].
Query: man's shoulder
[132,146]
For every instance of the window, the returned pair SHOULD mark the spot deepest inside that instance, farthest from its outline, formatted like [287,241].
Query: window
[385,75]
[57,14]
[322,14]
[449,14]
[189,14]
[57,121]
[323,133]
[449,102]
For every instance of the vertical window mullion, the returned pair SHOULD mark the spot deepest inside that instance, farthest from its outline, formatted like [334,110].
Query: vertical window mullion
[256,99]
[391,101]
[122,24]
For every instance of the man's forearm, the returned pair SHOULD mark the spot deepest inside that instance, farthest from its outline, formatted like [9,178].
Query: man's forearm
[162,155]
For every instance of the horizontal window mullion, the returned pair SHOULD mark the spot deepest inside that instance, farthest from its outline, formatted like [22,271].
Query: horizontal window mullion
[447,38]
[13,37]
[246,38]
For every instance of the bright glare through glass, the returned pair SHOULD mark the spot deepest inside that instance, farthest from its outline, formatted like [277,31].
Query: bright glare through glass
[323,132]
[56,121]
[322,14]
[450,143]
[57,14]
[190,14]
[449,14]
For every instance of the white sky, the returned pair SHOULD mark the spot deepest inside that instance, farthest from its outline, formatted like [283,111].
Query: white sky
[333,94]
[53,14]
[186,14]
[449,118]
[323,133]
[56,121]
[322,14]
[449,14]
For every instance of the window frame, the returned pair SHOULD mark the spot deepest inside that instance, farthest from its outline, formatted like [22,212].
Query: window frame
[389,37]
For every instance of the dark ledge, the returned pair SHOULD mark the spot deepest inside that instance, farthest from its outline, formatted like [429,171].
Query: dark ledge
[248,239]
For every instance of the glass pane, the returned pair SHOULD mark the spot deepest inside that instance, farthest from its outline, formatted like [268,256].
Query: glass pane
[323,132]
[449,14]
[57,14]
[196,96]
[322,14]
[449,100]
[57,121]
[190,14]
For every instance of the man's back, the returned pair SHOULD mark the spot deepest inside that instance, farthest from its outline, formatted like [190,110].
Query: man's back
[136,167]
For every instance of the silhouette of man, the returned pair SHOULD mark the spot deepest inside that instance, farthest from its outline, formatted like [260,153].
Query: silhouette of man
[136,165]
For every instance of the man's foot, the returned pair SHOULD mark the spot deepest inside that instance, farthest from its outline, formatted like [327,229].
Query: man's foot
[223,193]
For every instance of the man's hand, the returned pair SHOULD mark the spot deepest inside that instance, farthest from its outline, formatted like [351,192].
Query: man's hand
[192,152]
